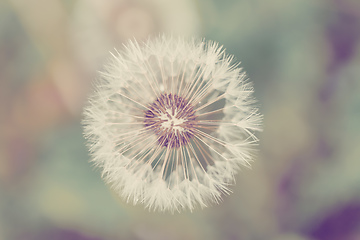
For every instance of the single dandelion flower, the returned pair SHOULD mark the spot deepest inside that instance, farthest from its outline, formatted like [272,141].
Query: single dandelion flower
[170,123]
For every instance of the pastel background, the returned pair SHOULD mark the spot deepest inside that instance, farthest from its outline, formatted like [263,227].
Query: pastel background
[303,57]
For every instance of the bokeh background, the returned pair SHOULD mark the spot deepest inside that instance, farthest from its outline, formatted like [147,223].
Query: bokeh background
[303,57]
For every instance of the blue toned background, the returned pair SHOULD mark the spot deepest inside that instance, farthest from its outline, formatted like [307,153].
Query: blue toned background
[304,59]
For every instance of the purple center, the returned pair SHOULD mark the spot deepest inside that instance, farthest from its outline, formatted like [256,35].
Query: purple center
[172,118]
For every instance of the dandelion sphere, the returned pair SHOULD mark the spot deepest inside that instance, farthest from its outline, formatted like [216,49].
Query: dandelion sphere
[170,123]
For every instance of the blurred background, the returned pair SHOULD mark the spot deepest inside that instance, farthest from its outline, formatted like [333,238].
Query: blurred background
[303,57]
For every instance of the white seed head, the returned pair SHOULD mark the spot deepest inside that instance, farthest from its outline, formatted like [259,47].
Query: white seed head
[170,123]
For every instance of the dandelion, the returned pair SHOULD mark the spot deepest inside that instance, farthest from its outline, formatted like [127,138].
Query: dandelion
[170,123]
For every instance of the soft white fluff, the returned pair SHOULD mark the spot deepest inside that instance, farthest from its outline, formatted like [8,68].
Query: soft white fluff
[133,162]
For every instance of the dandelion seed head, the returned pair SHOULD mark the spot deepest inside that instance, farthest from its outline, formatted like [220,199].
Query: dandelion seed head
[171,122]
